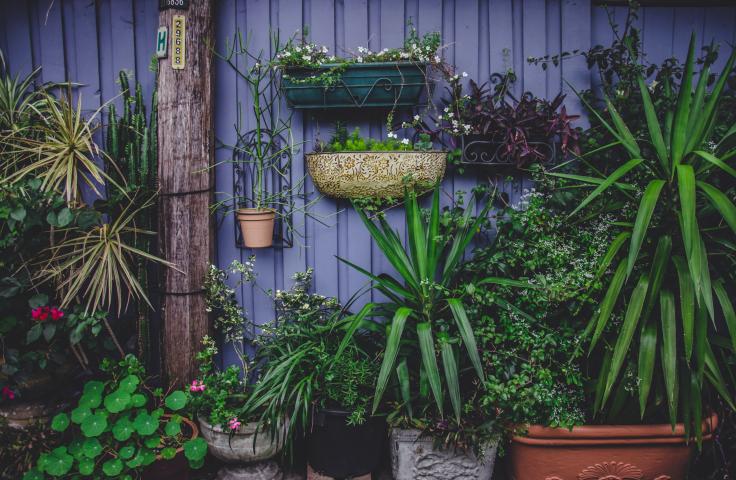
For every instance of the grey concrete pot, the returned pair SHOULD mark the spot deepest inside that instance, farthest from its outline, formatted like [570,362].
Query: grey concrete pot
[415,458]
[243,447]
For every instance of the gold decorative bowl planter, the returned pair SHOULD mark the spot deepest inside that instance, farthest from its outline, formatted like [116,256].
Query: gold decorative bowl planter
[374,174]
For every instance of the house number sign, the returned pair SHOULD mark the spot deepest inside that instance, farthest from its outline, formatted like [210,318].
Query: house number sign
[178,42]
[176,4]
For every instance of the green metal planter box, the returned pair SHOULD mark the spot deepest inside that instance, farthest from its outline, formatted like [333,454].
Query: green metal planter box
[378,85]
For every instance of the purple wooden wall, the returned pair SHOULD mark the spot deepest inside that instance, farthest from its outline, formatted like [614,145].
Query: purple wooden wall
[89,41]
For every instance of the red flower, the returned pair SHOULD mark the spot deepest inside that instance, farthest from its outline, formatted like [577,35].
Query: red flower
[40,313]
[8,394]
[56,314]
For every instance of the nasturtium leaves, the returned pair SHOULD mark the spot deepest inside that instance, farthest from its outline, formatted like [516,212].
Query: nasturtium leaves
[137,400]
[168,453]
[112,467]
[90,400]
[75,447]
[80,413]
[126,452]
[18,214]
[146,455]
[196,464]
[172,428]
[195,449]
[122,430]
[33,475]
[152,441]
[93,387]
[60,422]
[64,218]
[117,401]
[94,425]
[86,466]
[176,400]
[145,424]
[91,448]
[130,383]
[58,462]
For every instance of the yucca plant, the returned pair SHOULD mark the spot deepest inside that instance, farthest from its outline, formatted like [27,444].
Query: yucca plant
[424,316]
[19,102]
[61,150]
[97,266]
[671,262]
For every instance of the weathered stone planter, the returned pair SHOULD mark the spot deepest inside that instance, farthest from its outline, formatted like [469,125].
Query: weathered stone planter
[414,457]
[374,174]
[22,414]
[243,447]
[604,452]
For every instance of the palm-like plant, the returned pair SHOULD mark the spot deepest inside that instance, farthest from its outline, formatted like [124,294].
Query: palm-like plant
[420,304]
[685,220]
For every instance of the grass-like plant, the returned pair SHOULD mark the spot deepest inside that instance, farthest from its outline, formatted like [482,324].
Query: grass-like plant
[676,269]
[424,315]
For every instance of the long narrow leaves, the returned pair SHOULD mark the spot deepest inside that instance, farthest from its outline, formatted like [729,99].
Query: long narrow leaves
[429,361]
[392,350]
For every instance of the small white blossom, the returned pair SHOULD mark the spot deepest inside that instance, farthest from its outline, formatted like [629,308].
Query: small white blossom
[416,118]
[392,135]
[405,141]
[465,74]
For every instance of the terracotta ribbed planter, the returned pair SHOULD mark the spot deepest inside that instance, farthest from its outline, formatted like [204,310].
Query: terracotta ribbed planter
[374,174]
[256,225]
[604,452]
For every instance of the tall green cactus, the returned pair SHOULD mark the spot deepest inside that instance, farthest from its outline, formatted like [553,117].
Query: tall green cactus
[132,147]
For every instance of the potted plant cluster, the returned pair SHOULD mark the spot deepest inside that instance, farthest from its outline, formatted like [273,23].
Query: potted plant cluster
[316,383]
[121,427]
[350,166]
[216,395]
[311,78]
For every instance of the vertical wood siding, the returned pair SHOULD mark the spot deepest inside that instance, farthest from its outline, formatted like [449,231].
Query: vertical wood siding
[89,41]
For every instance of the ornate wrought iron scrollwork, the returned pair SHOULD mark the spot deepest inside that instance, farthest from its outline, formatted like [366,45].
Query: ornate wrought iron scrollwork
[484,151]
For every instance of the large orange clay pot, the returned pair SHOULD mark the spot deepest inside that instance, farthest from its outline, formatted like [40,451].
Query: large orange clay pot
[604,452]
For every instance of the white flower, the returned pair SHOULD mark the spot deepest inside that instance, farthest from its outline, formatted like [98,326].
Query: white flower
[437,59]
[447,109]
[392,135]
[307,58]
[405,141]
[416,118]
[456,77]
[465,74]
[450,115]
[360,59]
[333,58]
[324,49]
[362,49]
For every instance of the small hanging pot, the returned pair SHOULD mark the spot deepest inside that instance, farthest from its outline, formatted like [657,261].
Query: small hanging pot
[256,225]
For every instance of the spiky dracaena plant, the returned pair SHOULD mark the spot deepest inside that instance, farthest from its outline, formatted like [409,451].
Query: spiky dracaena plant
[132,147]
[671,263]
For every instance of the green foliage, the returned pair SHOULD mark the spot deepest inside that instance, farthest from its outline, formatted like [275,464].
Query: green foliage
[342,142]
[306,355]
[681,220]
[112,433]
[424,313]
[530,338]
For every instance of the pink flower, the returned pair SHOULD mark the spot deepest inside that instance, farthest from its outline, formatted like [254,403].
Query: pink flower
[196,386]
[234,424]
[56,314]
[8,394]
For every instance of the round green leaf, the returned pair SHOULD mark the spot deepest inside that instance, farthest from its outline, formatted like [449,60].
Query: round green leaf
[152,441]
[122,430]
[195,449]
[94,387]
[196,464]
[145,424]
[79,414]
[126,452]
[58,462]
[138,400]
[172,428]
[117,401]
[75,447]
[130,383]
[91,448]
[168,453]
[33,475]
[90,400]
[86,466]
[64,217]
[176,400]
[94,425]
[60,422]
[112,467]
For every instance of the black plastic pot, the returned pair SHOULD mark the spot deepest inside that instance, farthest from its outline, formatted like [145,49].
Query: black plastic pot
[339,450]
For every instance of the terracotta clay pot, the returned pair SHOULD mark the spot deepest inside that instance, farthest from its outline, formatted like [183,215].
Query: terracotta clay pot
[604,452]
[256,226]
[175,468]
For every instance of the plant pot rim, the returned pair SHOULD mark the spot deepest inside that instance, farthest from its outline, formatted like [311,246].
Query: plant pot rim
[378,151]
[612,434]
[193,426]
[246,428]
[326,66]
[254,211]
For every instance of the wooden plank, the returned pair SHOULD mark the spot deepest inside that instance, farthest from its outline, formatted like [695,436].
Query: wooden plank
[687,20]
[657,33]
[719,29]
[51,41]
[576,34]
[19,51]
[553,46]
[145,18]
[534,26]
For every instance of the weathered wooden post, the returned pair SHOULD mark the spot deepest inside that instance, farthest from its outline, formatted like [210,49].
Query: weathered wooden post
[186,151]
